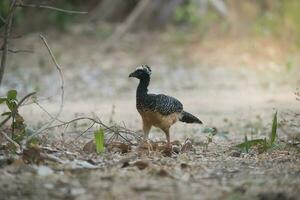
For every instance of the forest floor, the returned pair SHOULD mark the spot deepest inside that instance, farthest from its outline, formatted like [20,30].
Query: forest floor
[232,85]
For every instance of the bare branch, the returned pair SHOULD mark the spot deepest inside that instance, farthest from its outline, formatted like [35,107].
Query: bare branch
[18,51]
[7,30]
[54,118]
[12,37]
[11,141]
[43,109]
[50,8]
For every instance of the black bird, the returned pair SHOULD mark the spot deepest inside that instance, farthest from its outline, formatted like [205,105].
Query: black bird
[158,109]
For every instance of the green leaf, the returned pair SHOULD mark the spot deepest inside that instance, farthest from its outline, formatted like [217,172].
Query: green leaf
[11,105]
[3,99]
[274,130]
[99,140]
[5,113]
[12,94]
[250,143]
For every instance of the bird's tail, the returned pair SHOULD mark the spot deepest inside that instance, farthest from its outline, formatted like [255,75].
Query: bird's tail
[189,118]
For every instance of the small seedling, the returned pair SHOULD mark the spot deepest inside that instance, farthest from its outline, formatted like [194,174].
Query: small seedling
[264,143]
[99,140]
[212,131]
[17,125]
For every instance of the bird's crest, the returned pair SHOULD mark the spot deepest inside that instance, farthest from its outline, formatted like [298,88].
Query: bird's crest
[146,68]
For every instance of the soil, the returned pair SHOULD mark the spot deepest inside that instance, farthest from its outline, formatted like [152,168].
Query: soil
[234,86]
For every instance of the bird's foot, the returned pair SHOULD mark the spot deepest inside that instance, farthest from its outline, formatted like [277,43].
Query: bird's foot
[168,150]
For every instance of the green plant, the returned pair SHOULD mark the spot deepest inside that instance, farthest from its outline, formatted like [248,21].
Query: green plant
[283,19]
[17,125]
[262,143]
[187,13]
[4,9]
[213,132]
[99,140]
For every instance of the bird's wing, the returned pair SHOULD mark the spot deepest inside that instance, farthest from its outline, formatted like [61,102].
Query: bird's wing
[165,104]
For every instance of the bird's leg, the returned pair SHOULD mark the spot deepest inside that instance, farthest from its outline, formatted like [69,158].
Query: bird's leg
[168,149]
[167,132]
[146,129]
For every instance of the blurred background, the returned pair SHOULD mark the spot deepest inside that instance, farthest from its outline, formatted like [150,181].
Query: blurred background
[221,58]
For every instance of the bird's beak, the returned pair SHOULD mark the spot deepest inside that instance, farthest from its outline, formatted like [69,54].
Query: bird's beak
[132,75]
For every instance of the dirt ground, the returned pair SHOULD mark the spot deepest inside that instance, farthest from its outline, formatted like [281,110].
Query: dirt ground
[234,86]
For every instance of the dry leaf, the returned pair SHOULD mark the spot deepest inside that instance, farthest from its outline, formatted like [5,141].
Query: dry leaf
[167,151]
[32,155]
[89,147]
[141,164]
[162,172]
[187,146]
[119,146]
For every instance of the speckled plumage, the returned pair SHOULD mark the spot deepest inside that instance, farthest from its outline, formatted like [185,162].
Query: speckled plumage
[158,109]
[161,103]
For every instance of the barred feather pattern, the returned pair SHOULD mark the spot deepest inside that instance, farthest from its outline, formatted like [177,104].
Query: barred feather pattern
[161,103]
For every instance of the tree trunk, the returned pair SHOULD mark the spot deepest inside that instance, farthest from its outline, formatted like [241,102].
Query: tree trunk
[156,14]
[113,10]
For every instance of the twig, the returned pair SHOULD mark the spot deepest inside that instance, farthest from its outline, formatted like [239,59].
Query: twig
[78,119]
[43,109]
[86,130]
[11,141]
[18,51]
[50,8]
[13,37]
[44,127]
[40,99]
[52,158]
[16,108]
[117,131]
[7,30]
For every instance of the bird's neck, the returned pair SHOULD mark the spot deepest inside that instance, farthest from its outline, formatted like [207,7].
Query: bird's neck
[142,88]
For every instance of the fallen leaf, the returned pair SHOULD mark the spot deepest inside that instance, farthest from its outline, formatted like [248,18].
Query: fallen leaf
[184,165]
[162,172]
[119,146]
[32,155]
[167,151]
[141,164]
[187,146]
[125,164]
[89,147]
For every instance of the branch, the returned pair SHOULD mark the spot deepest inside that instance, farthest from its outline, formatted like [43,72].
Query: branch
[50,8]
[7,30]
[54,118]
[11,141]
[12,37]
[18,51]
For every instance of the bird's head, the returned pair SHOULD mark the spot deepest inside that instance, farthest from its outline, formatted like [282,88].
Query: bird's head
[141,72]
